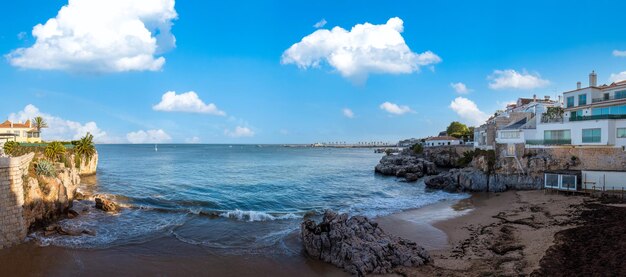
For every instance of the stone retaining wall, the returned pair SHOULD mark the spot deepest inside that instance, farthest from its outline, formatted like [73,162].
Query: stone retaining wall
[12,224]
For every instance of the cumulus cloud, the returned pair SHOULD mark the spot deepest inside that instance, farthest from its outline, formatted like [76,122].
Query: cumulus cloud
[186,102]
[320,23]
[616,77]
[239,132]
[149,136]
[460,88]
[101,36]
[365,49]
[619,53]
[509,78]
[395,108]
[348,113]
[468,111]
[59,128]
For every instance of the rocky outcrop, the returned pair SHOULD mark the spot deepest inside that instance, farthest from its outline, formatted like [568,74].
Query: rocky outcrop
[470,179]
[405,166]
[446,156]
[359,246]
[105,204]
[47,199]
[87,166]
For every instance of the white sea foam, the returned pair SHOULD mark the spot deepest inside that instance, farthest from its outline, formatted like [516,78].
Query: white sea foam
[256,216]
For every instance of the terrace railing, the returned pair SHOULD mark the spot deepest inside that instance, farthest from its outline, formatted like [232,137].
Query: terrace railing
[597,117]
[549,141]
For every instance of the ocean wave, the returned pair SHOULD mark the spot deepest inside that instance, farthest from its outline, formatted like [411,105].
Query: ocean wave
[257,216]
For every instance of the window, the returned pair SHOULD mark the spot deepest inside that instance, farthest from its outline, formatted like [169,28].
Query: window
[582,99]
[606,96]
[621,132]
[591,135]
[509,134]
[620,94]
[570,101]
[557,137]
[574,114]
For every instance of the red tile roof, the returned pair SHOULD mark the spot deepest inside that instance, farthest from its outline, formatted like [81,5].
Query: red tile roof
[7,124]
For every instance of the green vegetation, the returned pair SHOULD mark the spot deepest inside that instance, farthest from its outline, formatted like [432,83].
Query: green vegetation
[417,148]
[39,123]
[459,130]
[85,147]
[11,148]
[553,113]
[469,156]
[45,168]
[54,151]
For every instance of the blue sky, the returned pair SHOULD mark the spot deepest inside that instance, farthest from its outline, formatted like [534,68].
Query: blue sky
[232,55]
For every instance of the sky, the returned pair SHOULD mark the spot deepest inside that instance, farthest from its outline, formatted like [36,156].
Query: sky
[166,71]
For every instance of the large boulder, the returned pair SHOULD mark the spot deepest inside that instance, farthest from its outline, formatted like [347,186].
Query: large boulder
[401,165]
[359,246]
[105,204]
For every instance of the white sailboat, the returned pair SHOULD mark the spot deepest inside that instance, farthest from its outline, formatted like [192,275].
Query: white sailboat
[156,149]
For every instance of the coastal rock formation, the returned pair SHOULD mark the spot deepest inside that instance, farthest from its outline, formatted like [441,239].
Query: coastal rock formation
[470,179]
[358,245]
[87,166]
[105,204]
[402,165]
[47,199]
[446,156]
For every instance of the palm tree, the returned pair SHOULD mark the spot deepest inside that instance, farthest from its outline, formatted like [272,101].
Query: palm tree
[54,150]
[39,123]
[85,147]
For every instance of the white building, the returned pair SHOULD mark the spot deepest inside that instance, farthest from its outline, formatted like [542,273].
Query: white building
[593,116]
[442,141]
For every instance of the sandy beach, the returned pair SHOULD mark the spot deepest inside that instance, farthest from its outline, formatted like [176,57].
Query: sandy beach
[487,234]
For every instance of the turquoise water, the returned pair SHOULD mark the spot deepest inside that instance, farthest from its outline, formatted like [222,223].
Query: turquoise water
[236,198]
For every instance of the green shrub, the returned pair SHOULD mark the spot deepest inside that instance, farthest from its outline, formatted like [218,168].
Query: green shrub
[11,148]
[417,148]
[45,168]
[54,151]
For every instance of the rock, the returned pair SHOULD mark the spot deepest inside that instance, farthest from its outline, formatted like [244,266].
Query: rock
[358,245]
[402,165]
[411,177]
[470,179]
[72,213]
[105,204]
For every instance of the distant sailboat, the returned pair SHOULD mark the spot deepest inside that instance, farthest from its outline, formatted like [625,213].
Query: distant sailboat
[155,148]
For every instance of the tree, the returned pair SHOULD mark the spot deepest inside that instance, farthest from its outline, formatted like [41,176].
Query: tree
[39,123]
[457,129]
[85,147]
[54,150]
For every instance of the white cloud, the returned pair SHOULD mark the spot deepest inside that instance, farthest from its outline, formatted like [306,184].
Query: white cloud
[101,36]
[150,136]
[348,113]
[365,49]
[468,111]
[239,132]
[619,53]
[618,77]
[185,102]
[193,140]
[460,88]
[509,78]
[59,128]
[320,23]
[395,108]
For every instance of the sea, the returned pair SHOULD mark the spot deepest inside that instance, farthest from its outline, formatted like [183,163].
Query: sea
[231,198]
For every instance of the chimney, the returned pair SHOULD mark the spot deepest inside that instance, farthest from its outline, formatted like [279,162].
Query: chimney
[560,98]
[534,97]
[578,85]
[593,79]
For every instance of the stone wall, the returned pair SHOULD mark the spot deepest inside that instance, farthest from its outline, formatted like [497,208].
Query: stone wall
[534,161]
[13,228]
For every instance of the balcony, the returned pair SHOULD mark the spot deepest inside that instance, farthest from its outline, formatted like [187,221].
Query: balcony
[597,117]
[609,98]
[549,141]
